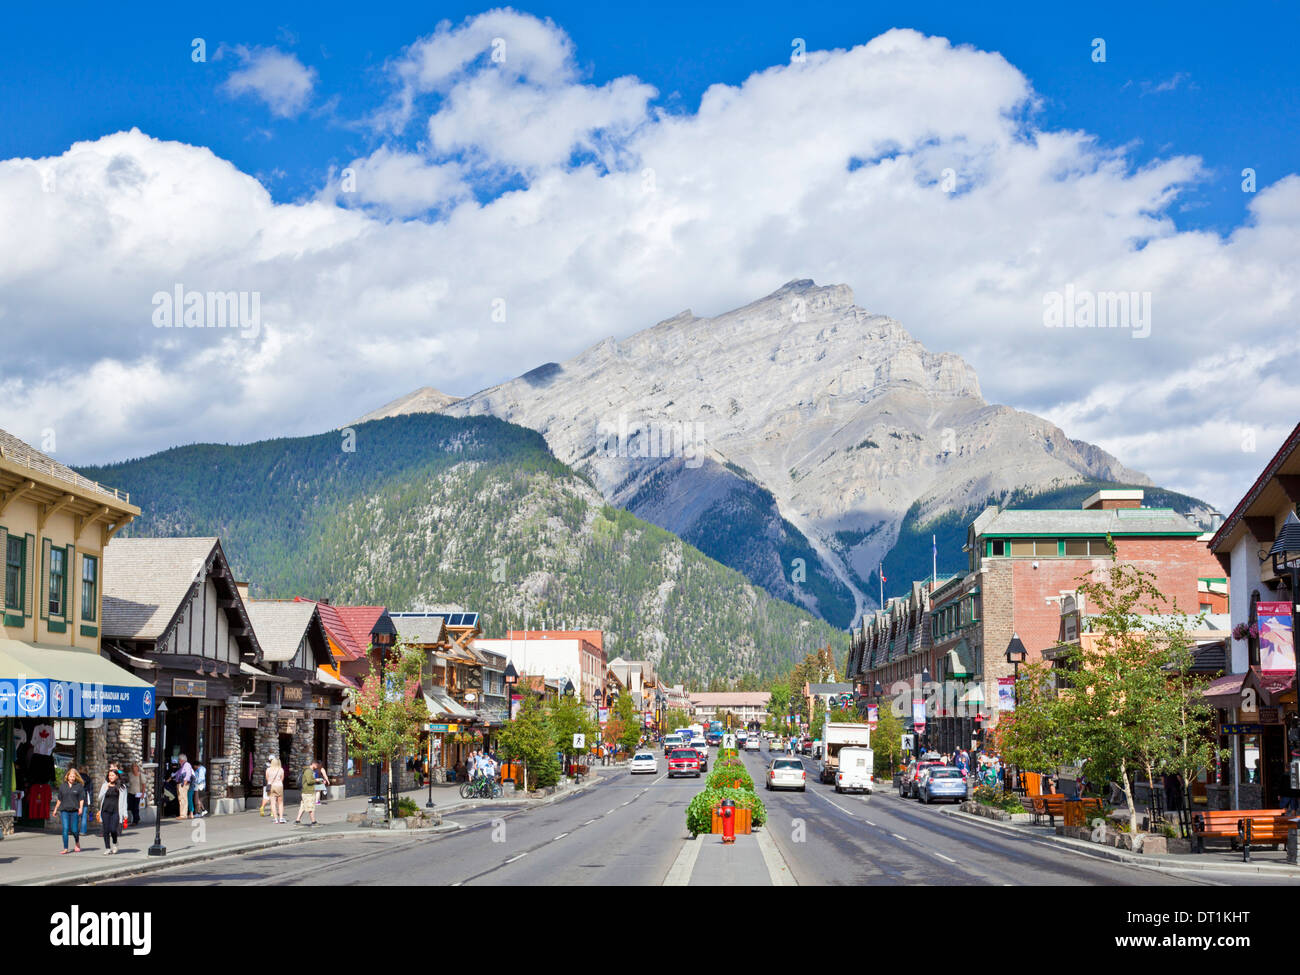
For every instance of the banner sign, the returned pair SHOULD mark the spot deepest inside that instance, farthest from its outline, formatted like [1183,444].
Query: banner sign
[66,699]
[873,716]
[1276,637]
[918,714]
[1006,693]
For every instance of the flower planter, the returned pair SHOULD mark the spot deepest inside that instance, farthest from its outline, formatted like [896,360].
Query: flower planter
[744,820]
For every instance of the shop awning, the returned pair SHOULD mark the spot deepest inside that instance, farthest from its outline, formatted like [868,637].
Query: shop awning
[974,695]
[1271,684]
[443,705]
[1224,692]
[959,663]
[40,681]
[248,670]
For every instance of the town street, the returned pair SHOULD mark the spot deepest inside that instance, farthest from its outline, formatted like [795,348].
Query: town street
[630,830]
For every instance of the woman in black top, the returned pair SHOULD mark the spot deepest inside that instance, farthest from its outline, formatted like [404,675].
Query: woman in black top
[71,803]
[110,812]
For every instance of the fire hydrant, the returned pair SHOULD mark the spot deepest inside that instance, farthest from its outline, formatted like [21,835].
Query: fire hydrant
[727,810]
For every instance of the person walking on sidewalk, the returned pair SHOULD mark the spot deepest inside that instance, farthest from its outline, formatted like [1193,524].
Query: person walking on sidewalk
[323,782]
[134,792]
[69,806]
[84,775]
[198,804]
[275,785]
[307,804]
[111,799]
[184,779]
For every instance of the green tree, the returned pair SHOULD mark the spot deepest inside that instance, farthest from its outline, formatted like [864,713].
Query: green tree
[887,741]
[389,715]
[529,739]
[568,717]
[630,723]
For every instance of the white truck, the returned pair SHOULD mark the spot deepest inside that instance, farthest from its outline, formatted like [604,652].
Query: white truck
[838,735]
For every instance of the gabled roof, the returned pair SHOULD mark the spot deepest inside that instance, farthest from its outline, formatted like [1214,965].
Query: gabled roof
[145,582]
[1274,467]
[360,620]
[338,631]
[425,629]
[1076,521]
[280,626]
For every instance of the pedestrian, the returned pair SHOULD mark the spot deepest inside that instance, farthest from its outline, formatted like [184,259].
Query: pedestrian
[275,786]
[134,792]
[184,779]
[111,799]
[266,792]
[307,802]
[323,781]
[85,809]
[198,794]
[70,806]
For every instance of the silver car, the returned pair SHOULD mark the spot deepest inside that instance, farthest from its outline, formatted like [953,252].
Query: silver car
[942,782]
[786,773]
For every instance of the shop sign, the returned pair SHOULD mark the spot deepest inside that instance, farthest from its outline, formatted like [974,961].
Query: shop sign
[1276,639]
[293,692]
[41,698]
[441,728]
[1242,729]
[189,688]
[1270,715]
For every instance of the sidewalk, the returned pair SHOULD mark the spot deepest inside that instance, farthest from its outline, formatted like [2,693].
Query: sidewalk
[35,858]
[1217,857]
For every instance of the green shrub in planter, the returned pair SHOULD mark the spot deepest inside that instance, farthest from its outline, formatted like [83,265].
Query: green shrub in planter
[990,796]
[406,806]
[699,814]
[724,775]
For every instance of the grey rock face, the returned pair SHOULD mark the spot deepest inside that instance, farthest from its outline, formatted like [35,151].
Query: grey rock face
[834,415]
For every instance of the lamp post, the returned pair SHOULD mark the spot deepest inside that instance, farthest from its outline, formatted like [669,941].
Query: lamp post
[511,679]
[1016,655]
[381,639]
[1285,554]
[160,713]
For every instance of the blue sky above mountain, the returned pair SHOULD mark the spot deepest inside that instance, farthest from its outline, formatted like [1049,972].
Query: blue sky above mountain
[585,172]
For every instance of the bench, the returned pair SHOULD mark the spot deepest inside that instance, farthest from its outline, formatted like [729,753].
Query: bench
[1246,828]
[1053,806]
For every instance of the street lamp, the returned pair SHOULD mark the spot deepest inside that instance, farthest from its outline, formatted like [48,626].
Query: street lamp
[381,639]
[160,715]
[1285,554]
[1016,655]
[925,679]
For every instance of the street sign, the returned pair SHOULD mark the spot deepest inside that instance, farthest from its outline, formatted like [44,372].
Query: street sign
[728,741]
[579,741]
[908,743]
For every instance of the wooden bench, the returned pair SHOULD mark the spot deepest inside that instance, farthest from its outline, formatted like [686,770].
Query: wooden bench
[1244,828]
[1053,806]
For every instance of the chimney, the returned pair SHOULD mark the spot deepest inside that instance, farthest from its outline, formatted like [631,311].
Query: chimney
[1111,500]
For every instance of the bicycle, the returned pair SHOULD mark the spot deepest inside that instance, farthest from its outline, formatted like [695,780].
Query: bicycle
[481,787]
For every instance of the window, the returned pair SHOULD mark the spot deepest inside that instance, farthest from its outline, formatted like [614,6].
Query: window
[89,587]
[1022,547]
[997,547]
[14,573]
[58,573]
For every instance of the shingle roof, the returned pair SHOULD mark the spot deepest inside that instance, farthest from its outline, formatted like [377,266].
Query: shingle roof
[337,630]
[360,620]
[840,688]
[145,580]
[421,628]
[280,626]
[738,699]
[13,449]
[1072,521]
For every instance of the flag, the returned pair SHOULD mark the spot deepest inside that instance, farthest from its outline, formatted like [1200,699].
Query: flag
[882,573]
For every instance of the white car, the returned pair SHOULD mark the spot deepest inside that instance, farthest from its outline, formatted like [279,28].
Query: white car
[751,744]
[787,773]
[644,761]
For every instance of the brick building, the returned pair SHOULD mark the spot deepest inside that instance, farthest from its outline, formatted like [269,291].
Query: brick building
[1022,563]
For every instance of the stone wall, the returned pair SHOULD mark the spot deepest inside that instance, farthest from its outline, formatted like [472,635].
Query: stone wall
[267,743]
[302,727]
[336,761]
[233,779]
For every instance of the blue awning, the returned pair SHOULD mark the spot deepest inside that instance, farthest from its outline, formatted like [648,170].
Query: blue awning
[40,681]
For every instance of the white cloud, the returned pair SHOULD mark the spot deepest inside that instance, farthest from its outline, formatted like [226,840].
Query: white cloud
[277,78]
[708,209]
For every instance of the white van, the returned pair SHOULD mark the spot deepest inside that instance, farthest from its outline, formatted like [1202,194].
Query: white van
[855,769]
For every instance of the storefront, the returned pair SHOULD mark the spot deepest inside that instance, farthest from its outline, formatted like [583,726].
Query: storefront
[54,706]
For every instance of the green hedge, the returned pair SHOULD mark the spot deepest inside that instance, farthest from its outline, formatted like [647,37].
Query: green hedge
[699,814]
[725,774]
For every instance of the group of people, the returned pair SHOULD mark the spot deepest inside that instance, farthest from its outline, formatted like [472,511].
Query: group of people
[314,783]
[191,784]
[479,763]
[116,805]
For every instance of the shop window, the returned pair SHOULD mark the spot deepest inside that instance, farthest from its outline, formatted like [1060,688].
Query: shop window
[14,559]
[89,587]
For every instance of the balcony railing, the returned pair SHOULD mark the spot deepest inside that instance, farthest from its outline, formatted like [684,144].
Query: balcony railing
[65,474]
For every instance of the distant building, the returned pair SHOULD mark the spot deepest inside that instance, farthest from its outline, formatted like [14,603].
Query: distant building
[747,706]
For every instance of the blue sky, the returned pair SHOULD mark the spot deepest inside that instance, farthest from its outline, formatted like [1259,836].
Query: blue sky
[1191,78]
[622,164]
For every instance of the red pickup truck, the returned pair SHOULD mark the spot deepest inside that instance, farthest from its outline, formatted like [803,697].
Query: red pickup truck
[683,761]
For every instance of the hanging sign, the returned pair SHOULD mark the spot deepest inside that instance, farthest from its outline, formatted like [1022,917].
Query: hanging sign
[873,716]
[1006,693]
[918,714]
[1276,637]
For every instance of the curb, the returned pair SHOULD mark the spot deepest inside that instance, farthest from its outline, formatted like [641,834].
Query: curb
[1153,863]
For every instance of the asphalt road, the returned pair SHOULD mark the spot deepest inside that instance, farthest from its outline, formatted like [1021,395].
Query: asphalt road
[881,839]
[629,830]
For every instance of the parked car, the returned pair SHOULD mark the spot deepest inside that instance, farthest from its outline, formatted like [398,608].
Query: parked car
[787,773]
[942,782]
[805,747]
[683,761]
[644,761]
[907,787]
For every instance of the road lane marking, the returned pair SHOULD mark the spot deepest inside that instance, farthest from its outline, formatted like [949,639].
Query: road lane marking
[560,837]
[518,857]
[869,822]
[778,871]
[610,812]
[942,857]
[588,822]
[899,836]
[679,874]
